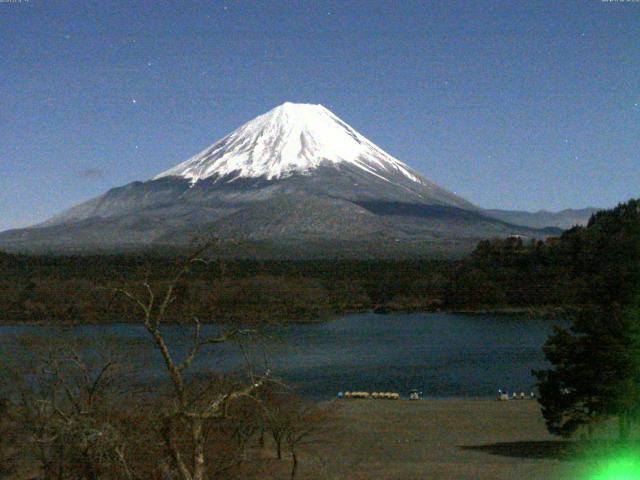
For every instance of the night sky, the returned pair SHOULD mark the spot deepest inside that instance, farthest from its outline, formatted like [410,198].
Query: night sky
[519,105]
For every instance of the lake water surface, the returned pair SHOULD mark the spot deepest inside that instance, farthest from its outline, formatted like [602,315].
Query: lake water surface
[443,355]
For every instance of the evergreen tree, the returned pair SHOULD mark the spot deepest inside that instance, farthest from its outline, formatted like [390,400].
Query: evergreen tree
[595,370]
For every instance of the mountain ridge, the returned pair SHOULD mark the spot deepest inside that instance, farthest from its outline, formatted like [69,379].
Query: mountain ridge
[564,219]
[297,173]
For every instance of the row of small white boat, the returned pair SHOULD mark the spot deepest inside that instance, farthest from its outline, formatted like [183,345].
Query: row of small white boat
[514,396]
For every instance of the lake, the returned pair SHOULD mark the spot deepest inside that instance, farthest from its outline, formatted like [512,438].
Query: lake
[442,354]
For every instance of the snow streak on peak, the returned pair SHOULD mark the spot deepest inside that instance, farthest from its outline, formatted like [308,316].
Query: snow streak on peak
[291,138]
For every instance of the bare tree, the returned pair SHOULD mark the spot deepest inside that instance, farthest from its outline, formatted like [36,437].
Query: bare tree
[304,427]
[294,422]
[189,411]
[63,414]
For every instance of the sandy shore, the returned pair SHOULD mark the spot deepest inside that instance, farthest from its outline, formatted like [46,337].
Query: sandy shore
[438,439]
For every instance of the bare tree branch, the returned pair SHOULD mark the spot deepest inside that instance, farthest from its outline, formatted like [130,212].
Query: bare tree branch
[189,412]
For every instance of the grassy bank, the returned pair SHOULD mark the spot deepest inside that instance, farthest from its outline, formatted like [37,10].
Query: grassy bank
[450,439]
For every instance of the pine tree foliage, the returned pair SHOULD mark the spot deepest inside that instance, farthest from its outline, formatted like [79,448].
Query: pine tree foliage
[595,372]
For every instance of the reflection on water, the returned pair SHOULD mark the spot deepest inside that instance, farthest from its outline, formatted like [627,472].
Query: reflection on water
[444,355]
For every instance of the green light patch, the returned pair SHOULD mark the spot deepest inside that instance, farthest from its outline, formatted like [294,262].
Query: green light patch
[624,466]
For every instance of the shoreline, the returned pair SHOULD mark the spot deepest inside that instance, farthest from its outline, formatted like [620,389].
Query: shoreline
[548,312]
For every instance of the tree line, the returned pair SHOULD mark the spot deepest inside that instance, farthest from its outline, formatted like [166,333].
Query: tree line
[511,274]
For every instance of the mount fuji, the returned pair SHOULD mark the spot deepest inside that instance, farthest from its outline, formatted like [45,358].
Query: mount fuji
[296,180]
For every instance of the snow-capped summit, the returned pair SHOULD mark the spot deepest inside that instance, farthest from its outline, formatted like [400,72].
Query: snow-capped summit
[291,138]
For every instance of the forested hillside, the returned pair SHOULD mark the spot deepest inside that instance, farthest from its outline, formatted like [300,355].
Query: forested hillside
[595,263]
[599,261]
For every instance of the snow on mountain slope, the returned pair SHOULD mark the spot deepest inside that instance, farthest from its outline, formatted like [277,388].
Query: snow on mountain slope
[296,175]
[291,138]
